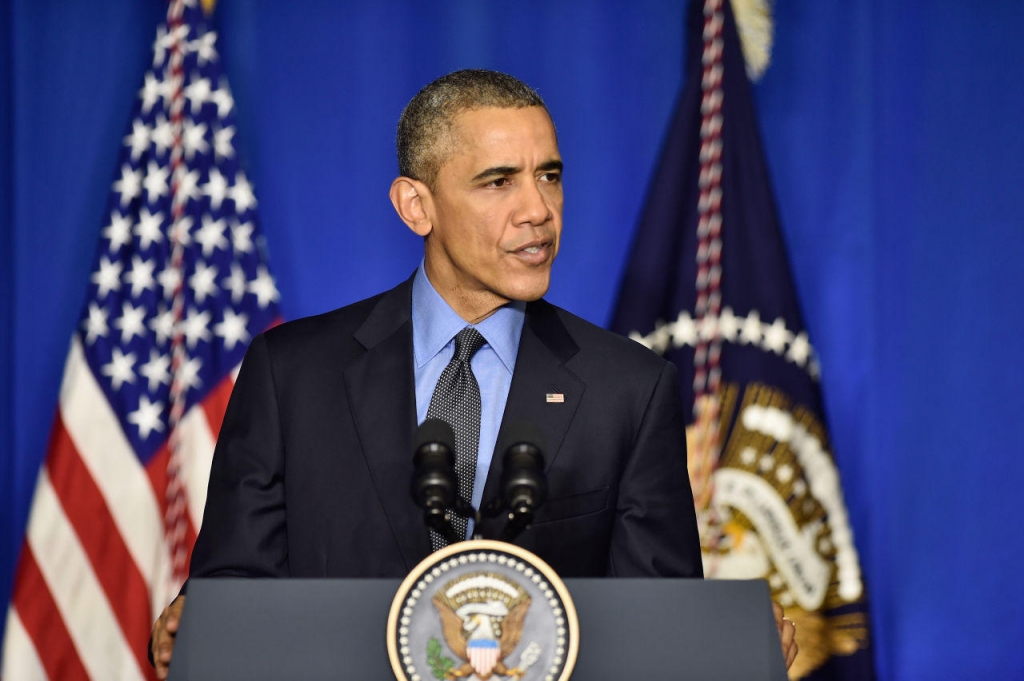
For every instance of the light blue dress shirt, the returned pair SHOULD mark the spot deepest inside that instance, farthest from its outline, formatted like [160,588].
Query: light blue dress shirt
[434,325]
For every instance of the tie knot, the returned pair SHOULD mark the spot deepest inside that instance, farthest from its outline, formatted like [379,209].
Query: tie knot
[467,342]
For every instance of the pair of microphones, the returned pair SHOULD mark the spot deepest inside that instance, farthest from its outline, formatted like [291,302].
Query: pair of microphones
[435,485]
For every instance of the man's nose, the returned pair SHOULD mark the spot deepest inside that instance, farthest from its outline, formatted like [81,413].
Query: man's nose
[533,205]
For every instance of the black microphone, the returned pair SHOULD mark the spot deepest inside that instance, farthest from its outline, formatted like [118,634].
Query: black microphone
[435,487]
[523,484]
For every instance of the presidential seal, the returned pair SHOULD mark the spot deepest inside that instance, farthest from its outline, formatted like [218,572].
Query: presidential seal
[481,610]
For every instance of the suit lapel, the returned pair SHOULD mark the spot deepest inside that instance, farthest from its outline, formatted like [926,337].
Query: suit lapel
[540,371]
[382,397]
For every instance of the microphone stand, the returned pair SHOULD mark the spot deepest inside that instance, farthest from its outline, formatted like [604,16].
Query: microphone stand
[518,520]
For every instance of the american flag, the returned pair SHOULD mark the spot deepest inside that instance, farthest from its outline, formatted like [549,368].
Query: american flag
[179,285]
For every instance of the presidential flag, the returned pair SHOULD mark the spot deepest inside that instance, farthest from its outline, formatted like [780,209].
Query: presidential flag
[180,284]
[708,286]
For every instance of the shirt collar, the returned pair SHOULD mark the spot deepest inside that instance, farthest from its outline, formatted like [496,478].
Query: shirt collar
[435,323]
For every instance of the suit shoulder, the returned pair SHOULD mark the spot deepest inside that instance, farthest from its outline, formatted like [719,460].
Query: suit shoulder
[619,351]
[311,332]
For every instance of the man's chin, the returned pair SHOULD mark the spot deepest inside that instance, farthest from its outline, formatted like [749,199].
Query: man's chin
[528,290]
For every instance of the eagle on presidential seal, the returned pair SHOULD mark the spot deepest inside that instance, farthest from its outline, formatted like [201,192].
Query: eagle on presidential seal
[482,619]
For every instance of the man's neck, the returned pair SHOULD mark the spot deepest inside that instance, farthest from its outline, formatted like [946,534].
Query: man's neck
[473,306]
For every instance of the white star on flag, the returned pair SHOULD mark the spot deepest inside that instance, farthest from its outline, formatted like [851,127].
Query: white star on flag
[211,235]
[95,323]
[241,237]
[147,417]
[119,231]
[684,330]
[799,349]
[198,93]
[194,138]
[196,327]
[242,194]
[129,186]
[235,282]
[708,327]
[222,144]
[223,99]
[140,276]
[181,231]
[157,370]
[660,337]
[162,325]
[121,368]
[216,188]
[162,135]
[159,46]
[189,187]
[131,321]
[776,336]
[203,281]
[138,140]
[108,278]
[204,48]
[149,230]
[263,287]
[728,325]
[151,92]
[188,375]
[750,332]
[232,329]
[170,280]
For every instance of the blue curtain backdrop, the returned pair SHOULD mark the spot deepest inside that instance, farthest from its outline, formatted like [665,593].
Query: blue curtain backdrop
[892,131]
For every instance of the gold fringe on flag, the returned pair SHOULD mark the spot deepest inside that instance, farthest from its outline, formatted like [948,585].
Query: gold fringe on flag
[754,24]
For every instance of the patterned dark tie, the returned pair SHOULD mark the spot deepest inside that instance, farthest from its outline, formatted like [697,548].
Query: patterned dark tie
[456,400]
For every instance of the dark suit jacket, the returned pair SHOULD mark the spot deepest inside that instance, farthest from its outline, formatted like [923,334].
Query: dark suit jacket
[313,464]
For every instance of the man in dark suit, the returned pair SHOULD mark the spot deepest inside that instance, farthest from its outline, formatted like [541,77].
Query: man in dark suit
[312,469]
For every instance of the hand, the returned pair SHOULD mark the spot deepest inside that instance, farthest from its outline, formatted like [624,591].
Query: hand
[787,634]
[164,631]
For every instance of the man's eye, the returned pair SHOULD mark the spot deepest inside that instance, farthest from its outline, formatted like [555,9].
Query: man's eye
[551,177]
[499,182]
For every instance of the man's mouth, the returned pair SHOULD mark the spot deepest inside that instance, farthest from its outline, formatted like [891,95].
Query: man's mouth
[534,253]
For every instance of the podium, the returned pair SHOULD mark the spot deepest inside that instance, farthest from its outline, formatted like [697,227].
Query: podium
[270,629]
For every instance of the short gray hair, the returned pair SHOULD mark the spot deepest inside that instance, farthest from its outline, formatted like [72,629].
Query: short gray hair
[425,127]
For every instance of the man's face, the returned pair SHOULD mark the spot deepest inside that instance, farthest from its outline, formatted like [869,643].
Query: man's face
[496,211]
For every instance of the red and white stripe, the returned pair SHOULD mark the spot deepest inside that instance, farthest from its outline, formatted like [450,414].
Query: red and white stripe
[95,568]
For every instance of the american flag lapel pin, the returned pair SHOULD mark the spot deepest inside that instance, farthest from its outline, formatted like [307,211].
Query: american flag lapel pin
[554,396]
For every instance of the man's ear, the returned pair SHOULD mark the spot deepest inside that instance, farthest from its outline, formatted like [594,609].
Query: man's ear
[413,202]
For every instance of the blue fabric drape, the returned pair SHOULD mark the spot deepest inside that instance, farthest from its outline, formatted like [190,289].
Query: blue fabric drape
[892,135]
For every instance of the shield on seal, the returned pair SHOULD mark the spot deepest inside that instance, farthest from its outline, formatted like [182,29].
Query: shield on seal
[483,655]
